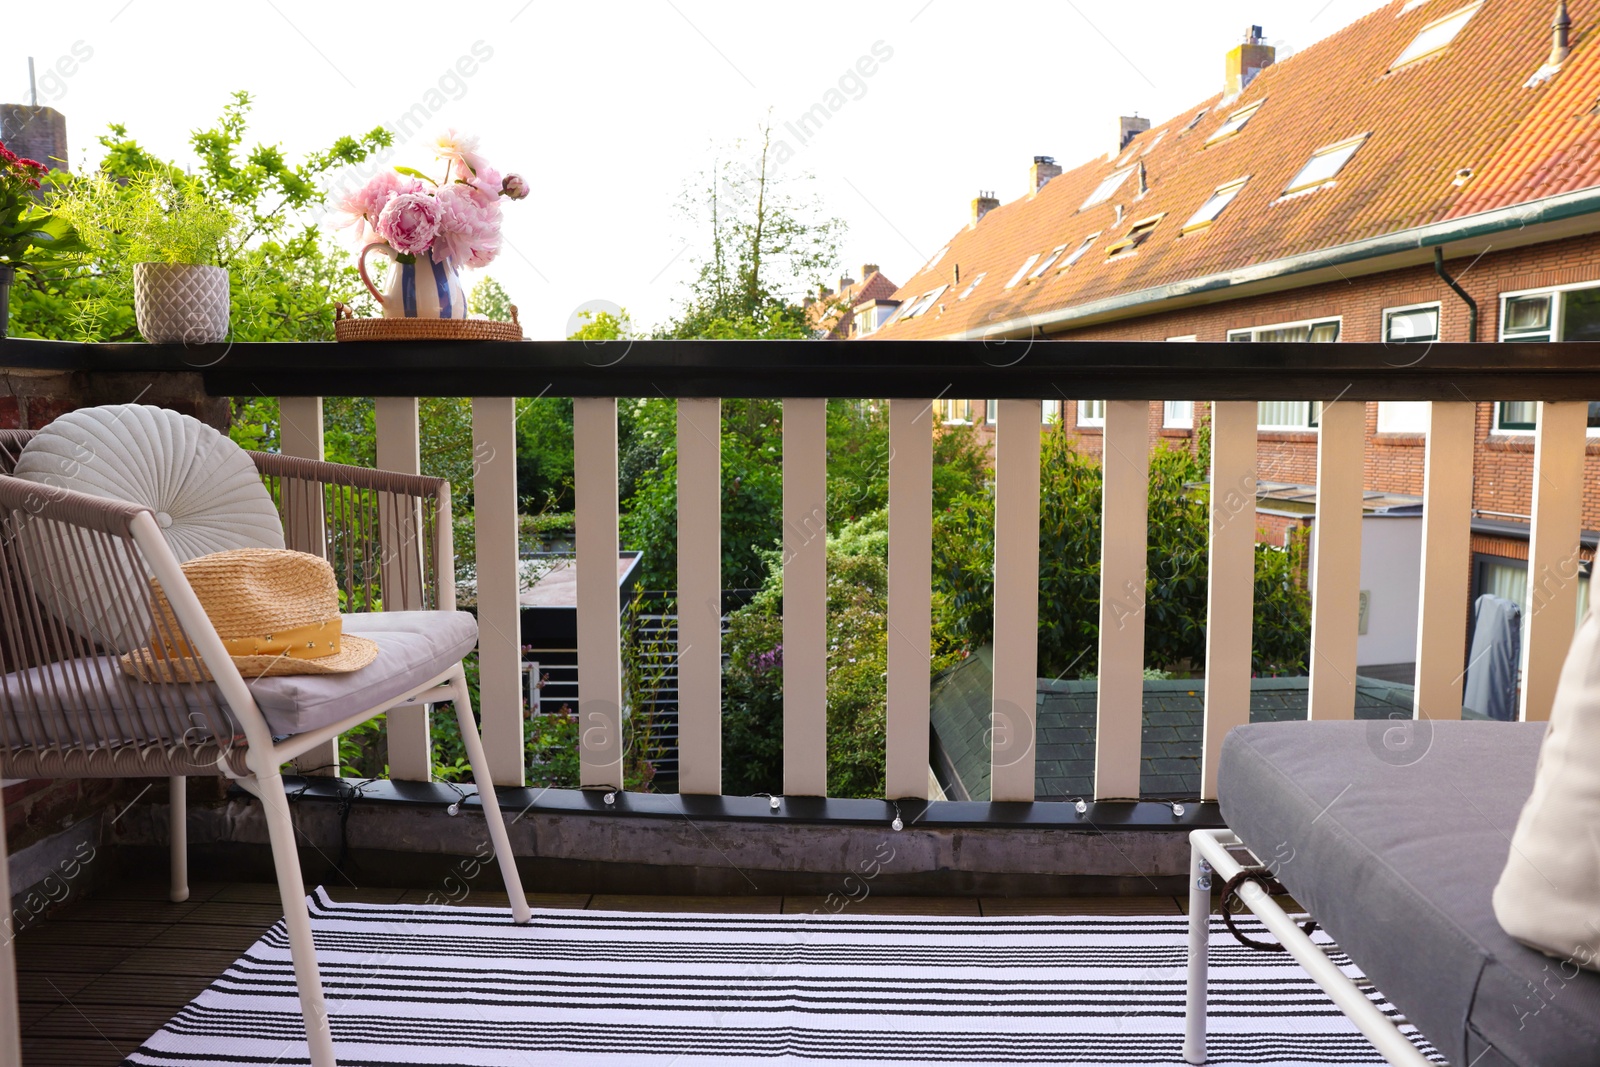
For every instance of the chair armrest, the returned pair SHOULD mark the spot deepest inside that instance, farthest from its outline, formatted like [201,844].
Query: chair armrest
[387,535]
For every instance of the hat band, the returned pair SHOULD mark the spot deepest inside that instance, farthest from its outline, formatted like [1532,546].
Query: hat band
[316,640]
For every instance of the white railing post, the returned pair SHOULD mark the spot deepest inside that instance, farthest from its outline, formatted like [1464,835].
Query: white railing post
[594,433]
[1231,583]
[1446,560]
[1336,561]
[399,450]
[805,597]
[1553,540]
[1015,691]
[300,435]
[910,597]
[700,596]
[1124,537]
[494,526]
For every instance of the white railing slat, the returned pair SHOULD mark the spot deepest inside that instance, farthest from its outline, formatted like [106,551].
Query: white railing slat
[300,435]
[399,450]
[1446,560]
[1336,561]
[1553,540]
[1231,582]
[1124,531]
[1014,695]
[700,596]
[594,426]
[494,519]
[910,597]
[805,597]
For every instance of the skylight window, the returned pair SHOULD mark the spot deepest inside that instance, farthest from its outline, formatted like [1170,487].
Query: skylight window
[921,306]
[1022,270]
[1044,264]
[1153,143]
[968,290]
[934,262]
[1137,236]
[1214,206]
[1435,36]
[1198,115]
[1078,253]
[1235,122]
[1325,163]
[1105,189]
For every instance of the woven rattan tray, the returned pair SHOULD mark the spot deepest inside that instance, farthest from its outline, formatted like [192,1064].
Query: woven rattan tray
[346,327]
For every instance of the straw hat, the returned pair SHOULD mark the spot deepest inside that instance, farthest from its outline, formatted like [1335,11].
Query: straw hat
[276,611]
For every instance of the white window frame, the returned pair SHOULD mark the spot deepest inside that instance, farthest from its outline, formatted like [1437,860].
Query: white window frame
[1022,271]
[1313,420]
[1406,57]
[1435,306]
[1137,235]
[1045,263]
[1049,411]
[1230,190]
[1177,414]
[1087,410]
[1081,251]
[991,411]
[968,290]
[944,408]
[1557,325]
[1299,183]
[934,262]
[1107,188]
[1153,143]
[1235,123]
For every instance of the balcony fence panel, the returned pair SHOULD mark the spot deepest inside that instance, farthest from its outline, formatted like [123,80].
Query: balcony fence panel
[300,435]
[1558,453]
[699,622]
[1336,560]
[399,450]
[1230,588]
[1014,695]
[1124,529]
[594,438]
[910,623]
[1446,559]
[494,517]
[805,597]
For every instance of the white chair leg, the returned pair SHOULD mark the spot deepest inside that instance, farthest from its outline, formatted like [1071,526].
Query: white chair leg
[178,836]
[308,977]
[520,912]
[1194,1012]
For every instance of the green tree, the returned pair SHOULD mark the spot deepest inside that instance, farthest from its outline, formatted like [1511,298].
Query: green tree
[490,299]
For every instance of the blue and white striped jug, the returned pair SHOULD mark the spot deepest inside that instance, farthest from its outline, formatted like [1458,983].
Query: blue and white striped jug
[421,289]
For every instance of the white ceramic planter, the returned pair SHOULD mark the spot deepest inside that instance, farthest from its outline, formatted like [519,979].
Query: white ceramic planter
[181,303]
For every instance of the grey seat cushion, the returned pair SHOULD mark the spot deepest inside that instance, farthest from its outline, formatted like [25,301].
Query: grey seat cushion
[413,646]
[1394,843]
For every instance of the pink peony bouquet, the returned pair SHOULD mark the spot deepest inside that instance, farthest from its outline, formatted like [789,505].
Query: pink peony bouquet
[456,218]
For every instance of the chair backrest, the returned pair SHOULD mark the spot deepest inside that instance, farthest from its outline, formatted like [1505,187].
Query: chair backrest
[63,689]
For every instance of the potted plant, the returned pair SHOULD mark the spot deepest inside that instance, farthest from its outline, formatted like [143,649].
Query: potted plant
[431,228]
[173,236]
[30,235]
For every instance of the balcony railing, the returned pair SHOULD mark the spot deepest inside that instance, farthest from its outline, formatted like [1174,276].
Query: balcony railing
[910,375]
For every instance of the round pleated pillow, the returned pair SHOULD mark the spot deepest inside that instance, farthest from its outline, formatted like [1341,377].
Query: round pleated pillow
[205,491]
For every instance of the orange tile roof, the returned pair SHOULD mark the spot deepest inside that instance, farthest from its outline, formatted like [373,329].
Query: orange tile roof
[1463,107]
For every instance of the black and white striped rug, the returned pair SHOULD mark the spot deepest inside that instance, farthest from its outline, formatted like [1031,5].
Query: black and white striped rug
[455,985]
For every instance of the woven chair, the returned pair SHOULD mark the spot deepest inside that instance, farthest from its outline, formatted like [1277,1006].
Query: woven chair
[67,710]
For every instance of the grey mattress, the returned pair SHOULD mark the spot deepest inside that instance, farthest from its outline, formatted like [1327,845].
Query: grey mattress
[1393,835]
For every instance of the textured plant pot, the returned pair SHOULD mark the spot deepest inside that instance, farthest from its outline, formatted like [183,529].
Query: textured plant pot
[7,273]
[181,303]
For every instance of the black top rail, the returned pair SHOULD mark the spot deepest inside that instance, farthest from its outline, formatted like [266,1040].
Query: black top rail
[1018,368]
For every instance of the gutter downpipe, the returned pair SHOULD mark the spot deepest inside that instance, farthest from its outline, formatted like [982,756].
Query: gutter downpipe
[1516,217]
[1472,305]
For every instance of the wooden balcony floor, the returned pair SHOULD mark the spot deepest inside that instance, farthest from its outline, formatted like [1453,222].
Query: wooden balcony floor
[101,975]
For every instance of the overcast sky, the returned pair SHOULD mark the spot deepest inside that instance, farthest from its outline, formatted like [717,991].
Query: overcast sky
[609,108]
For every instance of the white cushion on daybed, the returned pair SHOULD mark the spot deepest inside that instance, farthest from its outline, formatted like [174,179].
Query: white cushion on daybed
[205,491]
[1549,893]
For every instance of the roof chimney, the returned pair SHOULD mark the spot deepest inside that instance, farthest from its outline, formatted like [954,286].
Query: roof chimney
[1129,127]
[1044,168]
[1559,33]
[845,282]
[868,270]
[1245,61]
[981,206]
